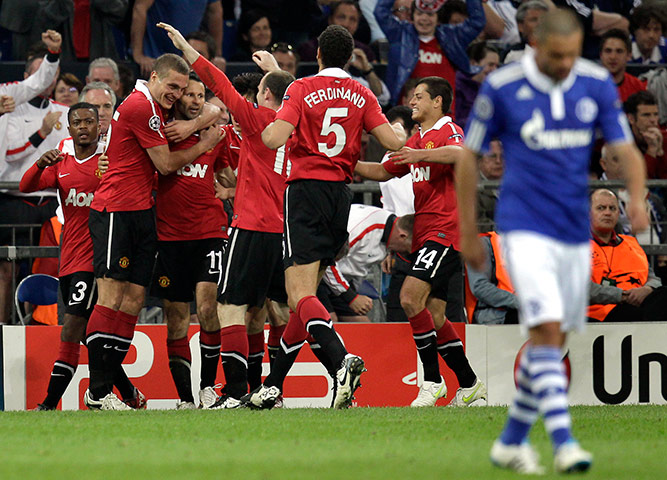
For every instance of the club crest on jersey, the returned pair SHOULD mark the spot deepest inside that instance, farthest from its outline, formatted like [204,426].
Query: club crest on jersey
[586,109]
[124,262]
[163,281]
[429,145]
[154,123]
[58,126]
[483,107]
[98,173]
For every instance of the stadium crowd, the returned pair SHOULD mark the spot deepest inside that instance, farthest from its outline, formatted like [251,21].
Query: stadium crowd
[420,62]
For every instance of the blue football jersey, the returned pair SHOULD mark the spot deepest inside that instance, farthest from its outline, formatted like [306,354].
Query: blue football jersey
[547,130]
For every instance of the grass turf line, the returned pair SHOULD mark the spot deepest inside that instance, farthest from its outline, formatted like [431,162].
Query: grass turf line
[629,442]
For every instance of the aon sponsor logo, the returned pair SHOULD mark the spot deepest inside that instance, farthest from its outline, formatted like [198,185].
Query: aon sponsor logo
[420,174]
[78,199]
[191,170]
[536,137]
[430,57]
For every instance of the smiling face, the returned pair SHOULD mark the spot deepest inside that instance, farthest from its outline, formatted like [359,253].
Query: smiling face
[190,105]
[165,91]
[259,35]
[65,94]
[84,127]
[425,108]
[425,23]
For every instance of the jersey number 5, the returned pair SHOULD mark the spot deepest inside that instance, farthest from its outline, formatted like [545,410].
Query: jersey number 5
[335,128]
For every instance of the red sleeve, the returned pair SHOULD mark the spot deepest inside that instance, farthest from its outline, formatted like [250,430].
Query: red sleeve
[290,110]
[373,116]
[146,125]
[219,84]
[396,170]
[221,160]
[454,134]
[36,179]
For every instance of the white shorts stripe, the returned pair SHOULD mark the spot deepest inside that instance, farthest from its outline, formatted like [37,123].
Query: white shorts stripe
[232,244]
[437,266]
[109,240]
[288,241]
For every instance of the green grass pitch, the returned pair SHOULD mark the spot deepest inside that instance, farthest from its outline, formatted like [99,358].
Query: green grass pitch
[629,442]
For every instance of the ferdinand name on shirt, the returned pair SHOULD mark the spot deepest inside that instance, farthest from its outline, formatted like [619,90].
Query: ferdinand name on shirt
[322,94]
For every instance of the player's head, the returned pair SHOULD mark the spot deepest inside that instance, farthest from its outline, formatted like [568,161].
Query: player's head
[403,115]
[615,50]
[84,124]
[604,211]
[104,98]
[647,25]
[247,84]
[492,164]
[286,56]
[168,79]
[611,165]
[642,111]
[203,43]
[528,16]
[224,111]
[558,39]
[272,88]
[192,102]
[335,45]
[431,100]
[400,238]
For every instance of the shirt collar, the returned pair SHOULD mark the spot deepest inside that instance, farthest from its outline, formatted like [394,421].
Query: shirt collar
[333,72]
[437,125]
[388,228]
[541,81]
[654,58]
[613,241]
[142,86]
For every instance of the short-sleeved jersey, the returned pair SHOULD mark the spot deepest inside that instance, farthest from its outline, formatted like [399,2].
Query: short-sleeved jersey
[76,181]
[185,206]
[136,126]
[329,111]
[436,216]
[547,131]
[231,146]
[261,174]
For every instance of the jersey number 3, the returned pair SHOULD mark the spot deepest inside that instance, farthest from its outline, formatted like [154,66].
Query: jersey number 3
[335,128]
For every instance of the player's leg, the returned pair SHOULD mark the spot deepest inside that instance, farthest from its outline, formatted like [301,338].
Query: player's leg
[255,320]
[209,341]
[234,353]
[177,318]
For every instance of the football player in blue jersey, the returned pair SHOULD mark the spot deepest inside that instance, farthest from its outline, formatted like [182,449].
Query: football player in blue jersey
[545,110]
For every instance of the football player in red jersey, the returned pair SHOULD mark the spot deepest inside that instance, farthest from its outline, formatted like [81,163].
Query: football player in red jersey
[74,174]
[327,114]
[122,223]
[434,285]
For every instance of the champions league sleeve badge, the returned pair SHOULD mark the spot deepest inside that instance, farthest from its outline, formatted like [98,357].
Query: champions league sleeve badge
[154,123]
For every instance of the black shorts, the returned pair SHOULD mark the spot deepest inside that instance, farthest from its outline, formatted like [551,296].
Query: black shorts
[79,291]
[438,265]
[252,269]
[316,214]
[334,303]
[124,245]
[181,265]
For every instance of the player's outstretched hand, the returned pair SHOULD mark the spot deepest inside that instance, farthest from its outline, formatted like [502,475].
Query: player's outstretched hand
[7,104]
[638,217]
[407,155]
[212,135]
[176,37]
[51,157]
[265,61]
[361,304]
[53,40]
[103,164]
[473,252]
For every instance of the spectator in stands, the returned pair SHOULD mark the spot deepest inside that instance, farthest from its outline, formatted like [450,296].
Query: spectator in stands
[362,71]
[205,45]
[18,16]
[527,17]
[424,48]
[104,98]
[149,42]
[127,80]
[647,25]
[656,232]
[485,57]
[642,111]
[86,26]
[490,298]
[623,287]
[345,13]
[67,90]
[402,9]
[491,167]
[506,10]
[286,57]
[254,33]
[455,12]
[615,49]
[106,70]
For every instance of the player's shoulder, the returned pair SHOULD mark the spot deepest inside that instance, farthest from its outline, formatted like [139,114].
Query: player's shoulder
[66,146]
[587,69]
[58,107]
[506,75]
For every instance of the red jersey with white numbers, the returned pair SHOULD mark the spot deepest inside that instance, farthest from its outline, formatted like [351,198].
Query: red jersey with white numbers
[436,217]
[433,62]
[136,126]
[261,174]
[76,181]
[186,207]
[329,111]
[231,146]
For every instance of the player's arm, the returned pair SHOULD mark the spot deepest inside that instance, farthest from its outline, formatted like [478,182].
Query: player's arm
[137,32]
[444,154]
[276,134]
[35,179]
[168,162]
[266,61]
[634,171]
[178,130]
[391,137]
[214,24]
[466,193]
[373,171]
[225,176]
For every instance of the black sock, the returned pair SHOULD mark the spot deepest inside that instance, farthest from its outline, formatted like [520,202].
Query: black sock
[236,374]
[123,384]
[180,372]
[326,337]
[324,359]
[456,359]
[427,349]
[282,364]
[255,370]
[96,361]
[60,377]
[209,347]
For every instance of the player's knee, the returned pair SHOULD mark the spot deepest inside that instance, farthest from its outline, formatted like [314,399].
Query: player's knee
[208,316]
[410,304]
[177,328]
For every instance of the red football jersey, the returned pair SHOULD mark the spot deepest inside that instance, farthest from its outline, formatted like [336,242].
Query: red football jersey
[136,126]
[433,62]
[261,174]
[436,217]
[629,85]
[186,207]
[76,180]
[231,146]
[329,111]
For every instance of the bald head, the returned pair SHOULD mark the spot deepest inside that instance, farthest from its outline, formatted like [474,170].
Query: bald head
[557,22]
[604,212]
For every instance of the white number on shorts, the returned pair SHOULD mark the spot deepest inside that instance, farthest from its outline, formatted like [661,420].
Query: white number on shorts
[426,258]
[81,291]
[279,164]
[336,129]
[216,261]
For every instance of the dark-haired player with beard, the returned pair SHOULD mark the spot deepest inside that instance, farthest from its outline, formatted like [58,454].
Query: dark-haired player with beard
[327,114]
[75,175]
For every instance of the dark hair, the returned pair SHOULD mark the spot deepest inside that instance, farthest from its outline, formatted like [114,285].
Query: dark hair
[439,87]
[208,94]
[404,113]
[643,14]
[207,39]
[71,80]
[193,76]
[167,62]
[336,45]
[333,6]
[451,7]
[277,82]
[478,50]
[643,97]
[622,35]
[127,79]
[35,51]
[82,106]
[247,84]
[248,19]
